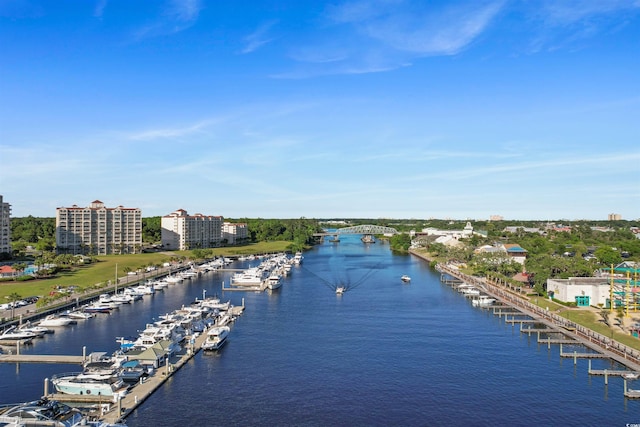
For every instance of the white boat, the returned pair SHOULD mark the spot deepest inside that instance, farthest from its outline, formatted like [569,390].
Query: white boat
[216,338]
[122,298]
[405,278]
[249,277]
[273,281]
[46,412]
[36,329]
[297,258]
[146,289]
[89,385]
[98,307]
[341,290]
[55,321]
[482,300]
[79,315]
[14,334]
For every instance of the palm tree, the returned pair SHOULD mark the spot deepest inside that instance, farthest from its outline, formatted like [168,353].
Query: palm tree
[13,297]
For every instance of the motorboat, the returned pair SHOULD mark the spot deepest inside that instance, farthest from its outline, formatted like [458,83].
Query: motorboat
[122,298]
[341,290]
[80,383]
[405,278]
[297,258]
[13,334]
[78,315]
[145,289]
[482,300]
[98,307]
[39,330]
[41,412]
[216,338]
[132,371]
[56,321]
[273,281]
[249,277]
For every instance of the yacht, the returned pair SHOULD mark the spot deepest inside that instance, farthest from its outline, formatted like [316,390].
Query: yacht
[90,385]
[45,412]
[249,277]
[13,334]
[54,321]
[36,329]
[297,258]
[216,338]
[273,281]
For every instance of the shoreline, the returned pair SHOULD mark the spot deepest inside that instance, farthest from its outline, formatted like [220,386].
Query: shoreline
[621,353]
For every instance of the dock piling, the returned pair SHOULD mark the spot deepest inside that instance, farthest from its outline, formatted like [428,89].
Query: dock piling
[606,377]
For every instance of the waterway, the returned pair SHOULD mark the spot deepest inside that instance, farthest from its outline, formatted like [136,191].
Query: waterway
[384,353]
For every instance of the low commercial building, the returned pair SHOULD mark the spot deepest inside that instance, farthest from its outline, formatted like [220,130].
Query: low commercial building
[584,291]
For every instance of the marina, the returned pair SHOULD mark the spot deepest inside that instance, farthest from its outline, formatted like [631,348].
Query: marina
[307,332]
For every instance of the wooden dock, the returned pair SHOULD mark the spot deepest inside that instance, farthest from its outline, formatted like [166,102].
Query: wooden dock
[40,358]
[521,321]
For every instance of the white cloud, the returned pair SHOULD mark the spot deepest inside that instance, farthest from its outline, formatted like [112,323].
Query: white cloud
[258,38]
[175,16]
[382,35]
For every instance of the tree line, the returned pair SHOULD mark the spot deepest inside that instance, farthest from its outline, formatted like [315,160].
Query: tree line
[40,233]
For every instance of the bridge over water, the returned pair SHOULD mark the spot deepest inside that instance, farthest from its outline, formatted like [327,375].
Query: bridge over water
[367,230]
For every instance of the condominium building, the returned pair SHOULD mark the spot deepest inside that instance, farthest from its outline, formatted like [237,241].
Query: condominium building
[5,229]
[98,230]
[614,217]
[181,231]
[234,232]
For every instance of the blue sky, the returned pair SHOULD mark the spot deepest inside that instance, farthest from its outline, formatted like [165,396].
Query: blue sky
[529,109]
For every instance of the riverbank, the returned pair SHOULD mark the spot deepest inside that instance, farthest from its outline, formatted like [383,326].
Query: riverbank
[623,354]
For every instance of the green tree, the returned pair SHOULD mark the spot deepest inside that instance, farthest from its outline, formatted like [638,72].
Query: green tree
[607,255]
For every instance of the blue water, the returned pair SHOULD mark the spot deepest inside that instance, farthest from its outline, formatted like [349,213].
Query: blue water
[385,353]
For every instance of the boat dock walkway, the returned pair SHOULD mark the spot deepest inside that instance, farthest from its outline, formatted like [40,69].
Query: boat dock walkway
[601,346]
[40,358]
[117,411]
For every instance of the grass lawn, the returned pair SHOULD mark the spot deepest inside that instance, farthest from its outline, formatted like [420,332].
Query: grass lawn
[92,275]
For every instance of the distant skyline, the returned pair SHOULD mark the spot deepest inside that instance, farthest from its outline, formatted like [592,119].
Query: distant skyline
[317,109]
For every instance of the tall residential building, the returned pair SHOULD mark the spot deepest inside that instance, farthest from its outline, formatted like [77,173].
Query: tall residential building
[98,230]
[234,232]
[181,231]
[5,229]
[614,217]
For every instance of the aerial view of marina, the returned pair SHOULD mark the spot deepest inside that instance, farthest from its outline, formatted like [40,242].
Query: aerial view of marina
[349,213]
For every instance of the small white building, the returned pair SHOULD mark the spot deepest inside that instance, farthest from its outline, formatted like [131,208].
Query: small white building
[584,291]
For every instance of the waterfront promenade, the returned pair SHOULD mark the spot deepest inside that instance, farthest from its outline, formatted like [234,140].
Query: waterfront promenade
[613,349]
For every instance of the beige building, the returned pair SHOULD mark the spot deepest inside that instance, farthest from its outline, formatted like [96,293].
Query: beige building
[98,230]
[614,217]
[181,231]
[5,229]
[234,232]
